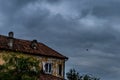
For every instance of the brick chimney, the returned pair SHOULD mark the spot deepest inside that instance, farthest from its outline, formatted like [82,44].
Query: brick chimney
[10,39]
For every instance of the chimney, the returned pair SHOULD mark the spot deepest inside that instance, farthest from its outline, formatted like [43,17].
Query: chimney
[11,34]
[34,44]
[10,40]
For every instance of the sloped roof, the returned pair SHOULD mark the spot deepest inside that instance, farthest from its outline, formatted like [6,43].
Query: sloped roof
[25,47]
[49,77]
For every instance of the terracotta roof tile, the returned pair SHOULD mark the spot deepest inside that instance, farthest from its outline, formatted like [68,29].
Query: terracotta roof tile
[25,46]
[49,77]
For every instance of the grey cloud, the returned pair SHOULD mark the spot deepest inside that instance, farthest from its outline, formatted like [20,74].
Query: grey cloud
[104,8]
[99,8]
[70,35]
[53,1]
[10,7]
[98,64]
[111,10]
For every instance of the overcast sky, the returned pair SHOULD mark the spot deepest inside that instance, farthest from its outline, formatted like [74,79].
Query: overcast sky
[86,31]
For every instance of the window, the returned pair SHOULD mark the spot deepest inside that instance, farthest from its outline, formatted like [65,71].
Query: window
[48,68]
[60,69]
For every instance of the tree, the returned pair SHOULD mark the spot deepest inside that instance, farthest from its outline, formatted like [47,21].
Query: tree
[20,68]
[74,75]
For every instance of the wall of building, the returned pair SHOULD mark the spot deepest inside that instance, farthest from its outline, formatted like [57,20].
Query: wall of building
[55,62]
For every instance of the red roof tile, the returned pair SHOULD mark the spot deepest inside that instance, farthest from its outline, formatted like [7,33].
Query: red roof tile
[49,77]
[25,46]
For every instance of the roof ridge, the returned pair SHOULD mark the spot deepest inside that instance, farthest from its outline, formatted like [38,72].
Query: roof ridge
[23,45]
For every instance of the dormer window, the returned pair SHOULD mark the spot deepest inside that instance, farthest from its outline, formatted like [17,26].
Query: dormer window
[47,68]
[34,44]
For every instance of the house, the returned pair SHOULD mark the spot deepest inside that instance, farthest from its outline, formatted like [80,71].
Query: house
[52,62]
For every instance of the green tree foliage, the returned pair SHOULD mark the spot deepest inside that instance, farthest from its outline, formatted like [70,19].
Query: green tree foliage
[74,75]
[20,68]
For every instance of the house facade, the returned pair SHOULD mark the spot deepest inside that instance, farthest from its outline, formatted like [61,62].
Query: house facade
[51,62]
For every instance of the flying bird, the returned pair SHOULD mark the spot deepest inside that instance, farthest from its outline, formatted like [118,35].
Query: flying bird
[86,49]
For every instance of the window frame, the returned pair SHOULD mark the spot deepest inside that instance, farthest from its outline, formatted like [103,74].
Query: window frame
[60,69]
[48,68]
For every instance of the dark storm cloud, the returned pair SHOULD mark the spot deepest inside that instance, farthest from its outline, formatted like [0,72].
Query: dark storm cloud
[53,1]
[70,27]
[9,10]
[10,7]
[110,9]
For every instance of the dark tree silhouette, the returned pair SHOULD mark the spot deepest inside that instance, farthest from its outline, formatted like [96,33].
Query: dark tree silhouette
[74,75]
